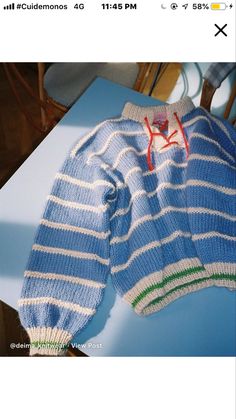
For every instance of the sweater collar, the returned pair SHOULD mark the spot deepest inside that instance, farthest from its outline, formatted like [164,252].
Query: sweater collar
[163,122]
[138,113]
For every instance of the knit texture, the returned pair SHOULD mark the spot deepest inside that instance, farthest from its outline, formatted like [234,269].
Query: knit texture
[161,233]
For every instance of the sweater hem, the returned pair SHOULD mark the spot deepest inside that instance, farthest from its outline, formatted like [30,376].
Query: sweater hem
[159,296]
[48,341]
[161,302]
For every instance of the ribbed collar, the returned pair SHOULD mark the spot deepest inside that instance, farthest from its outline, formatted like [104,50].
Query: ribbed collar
[138,113]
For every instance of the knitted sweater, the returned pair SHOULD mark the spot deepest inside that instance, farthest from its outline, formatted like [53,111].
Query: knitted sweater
[150,198]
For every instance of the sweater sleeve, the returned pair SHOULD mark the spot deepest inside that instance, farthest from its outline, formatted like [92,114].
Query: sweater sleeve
[69,262]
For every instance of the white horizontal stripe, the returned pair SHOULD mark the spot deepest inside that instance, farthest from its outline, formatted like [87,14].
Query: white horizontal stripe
[142,220]
[110,138]
[136,169]
[209,118]
[157,277]
[67,227]
[125,151]
[119,185]
[193,182]
[192,157]
[210,140]
[168,162]
[123,211]
[197,119]
[82,183]
[219,267]
[168,185]
[137,194]
[135,254]
[76,205]
[120,239]
[72,253]
[131,171]
[58,303]
[67,278]
[201,183]
[149,217]
[84,139]
[220,125]
[208,211]
[147,247]
[112,199]
[214,159]
[211,234]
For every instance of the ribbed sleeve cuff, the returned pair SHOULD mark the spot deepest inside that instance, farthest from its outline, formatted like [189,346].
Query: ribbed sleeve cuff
[48,341]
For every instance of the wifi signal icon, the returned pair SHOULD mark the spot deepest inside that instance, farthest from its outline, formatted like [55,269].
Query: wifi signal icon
[9,6]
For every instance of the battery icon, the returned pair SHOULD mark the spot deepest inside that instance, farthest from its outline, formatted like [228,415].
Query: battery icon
[218,6]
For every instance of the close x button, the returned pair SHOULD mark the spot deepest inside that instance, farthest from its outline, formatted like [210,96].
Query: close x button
[221,30]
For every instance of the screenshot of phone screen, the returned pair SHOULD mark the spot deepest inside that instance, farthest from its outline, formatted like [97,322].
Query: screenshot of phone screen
[118,207]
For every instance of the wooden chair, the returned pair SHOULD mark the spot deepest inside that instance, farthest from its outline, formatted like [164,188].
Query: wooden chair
[39,110]
[75,77]
[66,82]
[50,111]
[45,96]
[157,79]
[214,76]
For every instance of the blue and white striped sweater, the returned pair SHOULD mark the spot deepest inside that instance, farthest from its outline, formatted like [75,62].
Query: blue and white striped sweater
[161,233]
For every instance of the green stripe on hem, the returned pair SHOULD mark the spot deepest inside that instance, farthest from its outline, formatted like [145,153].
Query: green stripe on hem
[196,281]
[223,276]
[177,275]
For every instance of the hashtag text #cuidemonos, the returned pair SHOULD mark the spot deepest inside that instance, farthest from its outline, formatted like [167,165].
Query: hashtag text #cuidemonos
[36,6]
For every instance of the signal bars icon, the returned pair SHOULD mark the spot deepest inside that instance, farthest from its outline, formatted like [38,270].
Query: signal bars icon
[9,7]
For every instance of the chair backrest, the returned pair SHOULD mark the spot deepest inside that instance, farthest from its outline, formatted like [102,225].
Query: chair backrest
[157,79]
[214,77]
[50,111]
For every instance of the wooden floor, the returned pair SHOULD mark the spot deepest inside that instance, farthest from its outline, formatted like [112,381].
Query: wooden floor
[17,137]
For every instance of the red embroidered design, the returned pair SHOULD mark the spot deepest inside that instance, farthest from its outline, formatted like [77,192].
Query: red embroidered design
[162,127]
